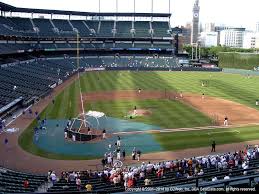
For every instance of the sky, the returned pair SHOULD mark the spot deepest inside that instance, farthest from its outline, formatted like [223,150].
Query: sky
[229,12]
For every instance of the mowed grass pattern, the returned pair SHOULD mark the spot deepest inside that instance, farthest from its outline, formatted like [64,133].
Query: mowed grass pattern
[195,139]
[165,113]
[228,86]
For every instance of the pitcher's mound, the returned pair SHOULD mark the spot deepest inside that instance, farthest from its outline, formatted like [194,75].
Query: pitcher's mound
[141,112]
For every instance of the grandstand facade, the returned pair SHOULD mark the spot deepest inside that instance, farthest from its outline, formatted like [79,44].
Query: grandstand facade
[106,31]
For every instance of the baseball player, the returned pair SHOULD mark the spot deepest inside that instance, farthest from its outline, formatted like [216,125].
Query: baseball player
[104,134]
[89,132]
[118,154]
[181,95]
[226,121]
[65,133]
[135,110]
[203,96]
[119,141]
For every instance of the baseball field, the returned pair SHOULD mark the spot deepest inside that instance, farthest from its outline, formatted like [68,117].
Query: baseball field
[179,122]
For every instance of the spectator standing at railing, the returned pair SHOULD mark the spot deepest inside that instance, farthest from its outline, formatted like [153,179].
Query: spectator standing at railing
[26,184]
[78,183]
[53,177]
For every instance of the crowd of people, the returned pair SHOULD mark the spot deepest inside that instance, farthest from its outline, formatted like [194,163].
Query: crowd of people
[128,176]
[116,153]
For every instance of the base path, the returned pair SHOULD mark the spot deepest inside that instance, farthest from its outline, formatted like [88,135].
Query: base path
[218,109]
[128,95]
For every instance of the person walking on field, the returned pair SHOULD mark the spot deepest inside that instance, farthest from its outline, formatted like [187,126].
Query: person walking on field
[134,154]
[118,153]
[135,110]
[119,141]
[203,95]
[104,134]
[123,154]
[138,154]
[181,95]
[213,146]
[226,121]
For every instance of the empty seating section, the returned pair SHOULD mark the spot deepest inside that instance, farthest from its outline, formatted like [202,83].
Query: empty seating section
[164,45]
[45,27]
[124,45]
[123,29]
[23,24]
[142,29]
[93,26]
[19,24]
[89,45]
[13,182]
[81,27]
[32,79]
[10,48]
[144,45]
[62,25]
[11,26]
[106,29]
[93,62]
[160,29]
[86,28]
[109,45]
[138,61]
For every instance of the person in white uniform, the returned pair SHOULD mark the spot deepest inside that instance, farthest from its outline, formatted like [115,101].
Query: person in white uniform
[226,121]
[119,141]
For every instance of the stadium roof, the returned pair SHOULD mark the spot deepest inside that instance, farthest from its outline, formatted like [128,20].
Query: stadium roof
[8,8]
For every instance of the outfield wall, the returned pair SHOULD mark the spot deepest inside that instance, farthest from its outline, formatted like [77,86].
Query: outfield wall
[238,60]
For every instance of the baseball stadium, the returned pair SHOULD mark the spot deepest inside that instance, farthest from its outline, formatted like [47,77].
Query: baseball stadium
[100,102]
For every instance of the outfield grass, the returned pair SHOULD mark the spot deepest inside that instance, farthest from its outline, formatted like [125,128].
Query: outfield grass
[194,139]
[228,86]
[165,113]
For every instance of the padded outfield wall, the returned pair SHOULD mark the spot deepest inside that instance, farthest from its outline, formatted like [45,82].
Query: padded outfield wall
[238,60]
